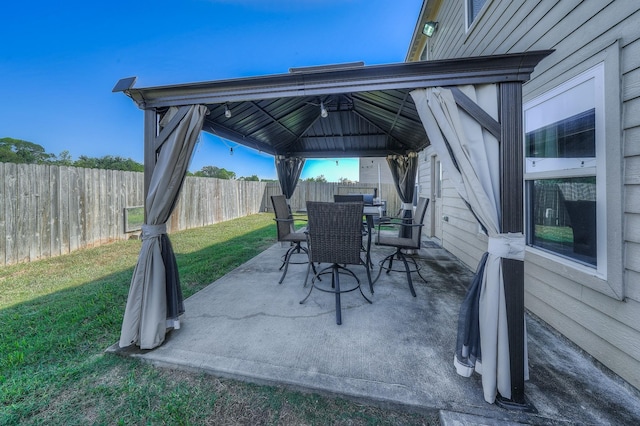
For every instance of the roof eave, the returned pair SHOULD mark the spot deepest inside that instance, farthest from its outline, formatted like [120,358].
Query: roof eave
[475,70]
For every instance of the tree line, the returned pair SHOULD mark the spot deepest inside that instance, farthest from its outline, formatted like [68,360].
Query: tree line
[24,152]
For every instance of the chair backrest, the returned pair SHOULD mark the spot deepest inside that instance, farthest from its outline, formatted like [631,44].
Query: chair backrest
[335,232]
[284,220]
[350,198]
[418,219]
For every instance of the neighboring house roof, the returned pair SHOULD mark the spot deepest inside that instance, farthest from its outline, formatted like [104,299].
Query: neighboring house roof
[370,111]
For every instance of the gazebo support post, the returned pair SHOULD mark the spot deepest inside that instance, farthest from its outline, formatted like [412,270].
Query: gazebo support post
[512,220]
[150,155]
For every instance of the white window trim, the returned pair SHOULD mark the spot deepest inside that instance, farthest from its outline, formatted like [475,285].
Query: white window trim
[469,27]
[554,166]
[572,166]
[613,286]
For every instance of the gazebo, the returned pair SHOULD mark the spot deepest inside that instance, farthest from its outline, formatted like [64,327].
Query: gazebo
[469,109]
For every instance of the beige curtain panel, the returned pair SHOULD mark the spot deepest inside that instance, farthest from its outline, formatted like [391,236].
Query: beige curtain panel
[155,299]
[470,156]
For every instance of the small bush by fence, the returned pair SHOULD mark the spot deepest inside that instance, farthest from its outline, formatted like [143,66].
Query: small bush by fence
[47,211]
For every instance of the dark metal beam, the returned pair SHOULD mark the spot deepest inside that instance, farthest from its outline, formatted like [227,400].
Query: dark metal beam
[475,111]
[150,152]
[515,67]
[226,133]
[345,154]
[272,118]
[379,128]
[170,127]
[355,136]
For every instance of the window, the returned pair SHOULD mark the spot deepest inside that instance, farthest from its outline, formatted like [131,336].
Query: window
[565,171]
[473,8]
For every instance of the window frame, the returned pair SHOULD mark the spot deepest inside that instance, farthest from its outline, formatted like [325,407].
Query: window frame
[561,168]
[468,23]
[613,283]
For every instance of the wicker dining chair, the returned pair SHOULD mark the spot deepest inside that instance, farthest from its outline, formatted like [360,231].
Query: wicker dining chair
[403,243]
[354,198]
[335,237]
[288,234]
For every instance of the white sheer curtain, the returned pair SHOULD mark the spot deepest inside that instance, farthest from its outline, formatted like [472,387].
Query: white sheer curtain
[155,299]
[470,156]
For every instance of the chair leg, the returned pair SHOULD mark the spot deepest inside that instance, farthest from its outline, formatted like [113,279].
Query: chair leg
[402,257]
[368,278]
[390,259]
[284,258]
[297,248]
[406,267]
[286,263]
[335,285]
[306,278]
[335,281]
[418,269]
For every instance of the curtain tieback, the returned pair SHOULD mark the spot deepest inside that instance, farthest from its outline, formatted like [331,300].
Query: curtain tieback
[407,206]
[507,246]
[153,231]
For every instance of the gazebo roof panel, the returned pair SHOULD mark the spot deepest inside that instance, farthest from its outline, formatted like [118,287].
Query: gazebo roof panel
[371,112]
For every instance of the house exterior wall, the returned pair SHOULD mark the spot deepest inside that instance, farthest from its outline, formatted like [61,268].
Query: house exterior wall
[601,315]
[373,168]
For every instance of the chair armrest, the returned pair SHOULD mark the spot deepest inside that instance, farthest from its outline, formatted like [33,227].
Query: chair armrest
[397,224]
[283,220]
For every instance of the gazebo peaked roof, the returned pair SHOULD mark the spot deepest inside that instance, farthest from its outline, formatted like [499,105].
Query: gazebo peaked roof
[370,112]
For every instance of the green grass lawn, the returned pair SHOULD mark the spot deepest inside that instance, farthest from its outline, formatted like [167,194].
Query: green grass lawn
[57,317]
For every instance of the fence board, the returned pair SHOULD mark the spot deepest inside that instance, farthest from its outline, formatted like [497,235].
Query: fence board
[43,211]
[3,227]
[11,199]
[25,216]
[63,213]
[54,211]
[34,210]
[75,208]
[103,207]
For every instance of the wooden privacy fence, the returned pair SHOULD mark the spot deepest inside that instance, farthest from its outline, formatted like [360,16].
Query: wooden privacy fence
[47,211]
[52,210]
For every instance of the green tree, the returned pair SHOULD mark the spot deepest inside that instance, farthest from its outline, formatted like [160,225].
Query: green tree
[320,178]
[215,172]
[63,159]
[253,178]
[109,162]
[19,151]
[345,181]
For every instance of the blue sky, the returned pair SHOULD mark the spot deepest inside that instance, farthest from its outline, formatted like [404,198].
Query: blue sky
[60,60]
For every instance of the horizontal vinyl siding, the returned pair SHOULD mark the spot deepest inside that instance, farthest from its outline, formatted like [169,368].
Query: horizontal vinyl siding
[369,170]
[582,33]
[460,232]
[424,186]
[623,364]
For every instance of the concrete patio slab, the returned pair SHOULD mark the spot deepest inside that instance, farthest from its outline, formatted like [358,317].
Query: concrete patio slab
[397,350]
